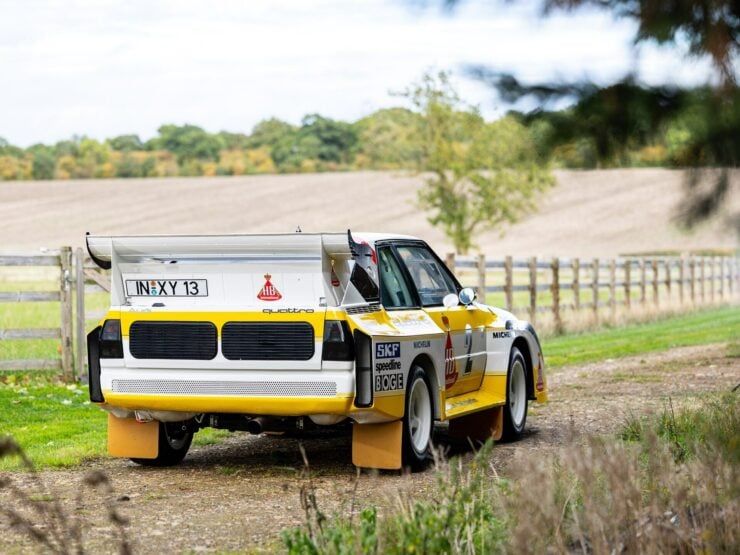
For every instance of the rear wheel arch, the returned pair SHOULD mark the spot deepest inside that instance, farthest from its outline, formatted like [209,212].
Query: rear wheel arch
[523,346]
[427,365]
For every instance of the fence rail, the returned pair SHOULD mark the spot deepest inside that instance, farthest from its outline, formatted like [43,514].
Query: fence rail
[535,286]
[78,277]
[557,287]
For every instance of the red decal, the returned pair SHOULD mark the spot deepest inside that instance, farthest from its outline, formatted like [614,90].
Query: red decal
[372,250]
[540,375]
[450,364]
[268,291]
[334,278]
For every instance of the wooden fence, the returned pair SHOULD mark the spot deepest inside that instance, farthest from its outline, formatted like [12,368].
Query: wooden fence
[531,286]
[76,278]
[558,286]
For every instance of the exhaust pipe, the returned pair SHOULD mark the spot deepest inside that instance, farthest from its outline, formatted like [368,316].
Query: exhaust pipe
[256,425]
[271,425]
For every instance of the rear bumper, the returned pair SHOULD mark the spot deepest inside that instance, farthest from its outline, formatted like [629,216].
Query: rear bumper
[263,405]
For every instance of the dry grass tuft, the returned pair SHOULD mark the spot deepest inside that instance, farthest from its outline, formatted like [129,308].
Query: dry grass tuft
[607,497]
[33,510]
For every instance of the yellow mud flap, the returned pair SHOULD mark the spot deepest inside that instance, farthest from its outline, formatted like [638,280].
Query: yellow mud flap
[131,439]
[377,445]
[479,426]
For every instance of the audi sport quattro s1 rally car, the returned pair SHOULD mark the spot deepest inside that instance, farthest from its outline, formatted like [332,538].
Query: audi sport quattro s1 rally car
[273,332]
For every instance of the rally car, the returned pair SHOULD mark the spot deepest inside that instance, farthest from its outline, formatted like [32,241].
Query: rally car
[268,333]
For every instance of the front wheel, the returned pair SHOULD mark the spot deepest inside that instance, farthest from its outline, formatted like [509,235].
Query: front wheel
[174,441]
[418,420]
[515,410]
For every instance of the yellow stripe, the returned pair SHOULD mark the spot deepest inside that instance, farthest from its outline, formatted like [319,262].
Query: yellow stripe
[278,406]
[316,319]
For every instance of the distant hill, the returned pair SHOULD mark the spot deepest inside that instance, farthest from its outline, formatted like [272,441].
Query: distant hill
[589,213]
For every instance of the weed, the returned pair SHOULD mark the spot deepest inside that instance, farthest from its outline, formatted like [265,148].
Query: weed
[599,496]
[37,513]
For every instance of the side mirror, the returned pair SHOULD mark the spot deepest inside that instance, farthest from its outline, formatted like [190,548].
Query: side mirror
[450,300]
[467,296]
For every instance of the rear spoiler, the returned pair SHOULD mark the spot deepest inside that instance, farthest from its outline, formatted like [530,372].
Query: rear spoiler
[108,252]
[217,248]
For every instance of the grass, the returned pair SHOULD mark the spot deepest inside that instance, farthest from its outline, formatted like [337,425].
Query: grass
[57,425]
[713,427]
[603,495]
[698,328]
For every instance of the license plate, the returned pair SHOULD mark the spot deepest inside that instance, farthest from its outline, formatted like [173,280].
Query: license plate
[167,287]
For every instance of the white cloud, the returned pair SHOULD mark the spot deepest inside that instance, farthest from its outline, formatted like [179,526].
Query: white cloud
[102,68]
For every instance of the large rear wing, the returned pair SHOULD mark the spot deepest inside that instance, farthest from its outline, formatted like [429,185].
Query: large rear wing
[311,269]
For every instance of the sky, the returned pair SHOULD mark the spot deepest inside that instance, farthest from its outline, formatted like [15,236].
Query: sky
[102,68]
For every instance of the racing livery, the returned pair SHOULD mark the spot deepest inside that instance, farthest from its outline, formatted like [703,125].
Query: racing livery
[268,333]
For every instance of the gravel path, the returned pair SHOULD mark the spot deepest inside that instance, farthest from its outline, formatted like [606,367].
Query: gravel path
[238,495]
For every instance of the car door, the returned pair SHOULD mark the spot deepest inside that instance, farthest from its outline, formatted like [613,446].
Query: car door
[465,345]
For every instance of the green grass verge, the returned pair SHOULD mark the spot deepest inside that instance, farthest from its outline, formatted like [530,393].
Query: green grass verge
[698,328]
[56,425]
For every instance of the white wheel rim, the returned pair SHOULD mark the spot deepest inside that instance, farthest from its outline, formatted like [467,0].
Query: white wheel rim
[517,394]
[420,416]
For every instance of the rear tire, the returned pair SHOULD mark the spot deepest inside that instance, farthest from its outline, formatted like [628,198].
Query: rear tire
[515,410]
[174,442]
[418,420]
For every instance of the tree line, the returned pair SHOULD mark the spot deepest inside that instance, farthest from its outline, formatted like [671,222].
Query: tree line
[388,139]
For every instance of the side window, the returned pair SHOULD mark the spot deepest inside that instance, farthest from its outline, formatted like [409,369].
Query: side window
[432,280]
[394,293]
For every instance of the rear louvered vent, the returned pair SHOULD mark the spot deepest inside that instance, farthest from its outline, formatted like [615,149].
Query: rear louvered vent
[173,340]
[267,341]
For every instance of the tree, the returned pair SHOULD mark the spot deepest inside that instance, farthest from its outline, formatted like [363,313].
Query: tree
[42,166]
[269,132]
[630,113]
[126,143]
[386,139]
[337,139]
[188,142]
[483,175]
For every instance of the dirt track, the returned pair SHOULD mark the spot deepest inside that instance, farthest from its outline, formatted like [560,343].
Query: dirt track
[238,495]
[594,213]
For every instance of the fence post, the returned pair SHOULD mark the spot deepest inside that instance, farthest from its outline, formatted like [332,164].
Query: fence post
[533,289]
[65,296]
[721,278]
[80,320]
[576,265]
[712,277]
[450,261]
[628,283]
[612,289]
[595,288]
[681,276]
[702,275]
[555,289]
[668,267]
[692,279]
[643,298]
[509,283]
[482,277]
[655,281]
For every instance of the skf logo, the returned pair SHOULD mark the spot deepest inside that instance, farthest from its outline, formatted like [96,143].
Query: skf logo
[269,292]
[387,350]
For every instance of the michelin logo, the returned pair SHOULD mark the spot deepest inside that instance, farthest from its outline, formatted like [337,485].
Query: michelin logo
[388,350]
[502,334]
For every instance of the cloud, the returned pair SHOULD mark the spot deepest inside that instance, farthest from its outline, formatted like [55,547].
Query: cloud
[102,68]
